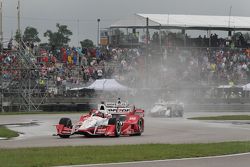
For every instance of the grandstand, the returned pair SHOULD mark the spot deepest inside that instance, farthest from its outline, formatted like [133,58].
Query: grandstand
[163,22]
[172,65]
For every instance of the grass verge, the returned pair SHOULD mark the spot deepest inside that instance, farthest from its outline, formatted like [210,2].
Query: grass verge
[223,117]
[53,156]
[7,133]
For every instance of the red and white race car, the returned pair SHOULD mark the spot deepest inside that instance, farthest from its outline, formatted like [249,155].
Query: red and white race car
[110,119]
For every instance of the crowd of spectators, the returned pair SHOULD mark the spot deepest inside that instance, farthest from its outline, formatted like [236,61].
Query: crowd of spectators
[212,66]
[73,67]
[183,40]
[77,65]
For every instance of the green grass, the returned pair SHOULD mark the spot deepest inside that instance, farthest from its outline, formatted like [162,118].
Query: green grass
[52,156]
[7,133]
[223,117]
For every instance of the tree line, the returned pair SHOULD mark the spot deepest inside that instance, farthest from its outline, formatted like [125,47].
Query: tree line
[57,39]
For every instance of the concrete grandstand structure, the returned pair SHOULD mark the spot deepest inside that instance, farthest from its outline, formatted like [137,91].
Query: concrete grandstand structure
[195,22]
[183,22]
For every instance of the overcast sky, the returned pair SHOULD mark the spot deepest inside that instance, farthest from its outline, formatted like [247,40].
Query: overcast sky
[44,14]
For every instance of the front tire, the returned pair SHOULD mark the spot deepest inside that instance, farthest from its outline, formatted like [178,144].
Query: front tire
[140,127]
[117,123]
[118,128]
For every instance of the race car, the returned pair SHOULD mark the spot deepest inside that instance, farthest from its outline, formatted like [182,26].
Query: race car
[110,119]
[167,109]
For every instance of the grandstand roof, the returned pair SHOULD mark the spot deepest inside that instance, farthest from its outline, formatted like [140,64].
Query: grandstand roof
[199,22]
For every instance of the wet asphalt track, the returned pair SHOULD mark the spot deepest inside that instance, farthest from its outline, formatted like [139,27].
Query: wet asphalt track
[38,130]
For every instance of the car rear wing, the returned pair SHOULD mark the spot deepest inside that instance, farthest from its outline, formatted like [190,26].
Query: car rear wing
[120,110]
[111,104]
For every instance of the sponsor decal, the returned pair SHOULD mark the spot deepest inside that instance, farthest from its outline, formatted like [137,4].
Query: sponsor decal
[118,110]
[132,118]
[112,110]
[123,109]
[100,130]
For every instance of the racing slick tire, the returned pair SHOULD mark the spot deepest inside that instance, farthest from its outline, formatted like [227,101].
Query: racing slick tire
[171,112]
[67,123]
[181,113]
[117,123]
[64,136]
[112,121]
[141,128]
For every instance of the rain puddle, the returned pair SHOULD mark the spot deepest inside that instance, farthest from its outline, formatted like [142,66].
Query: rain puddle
[27,124]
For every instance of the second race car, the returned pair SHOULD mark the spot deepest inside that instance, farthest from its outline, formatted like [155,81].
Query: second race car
[167,109]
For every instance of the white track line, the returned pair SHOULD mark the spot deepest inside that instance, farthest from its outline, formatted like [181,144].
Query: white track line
[167,160]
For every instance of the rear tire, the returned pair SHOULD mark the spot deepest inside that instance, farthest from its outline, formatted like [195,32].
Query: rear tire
[64,136]
[171,113]
[66,122]
[141,128]
[180,113]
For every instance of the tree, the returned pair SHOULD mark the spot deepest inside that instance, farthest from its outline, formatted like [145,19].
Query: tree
[31,35]
[87,43]
[59,38]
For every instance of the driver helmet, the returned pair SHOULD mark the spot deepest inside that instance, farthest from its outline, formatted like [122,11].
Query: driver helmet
[102,108]
[119,101]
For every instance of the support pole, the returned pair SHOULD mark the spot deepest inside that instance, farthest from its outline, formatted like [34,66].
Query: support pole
[78,43]
[18,20]
[98,32]
[2,109]
[30,92]
[160,41]
[1,24]
[147,53]
[161,56]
